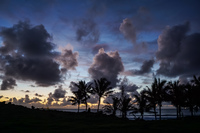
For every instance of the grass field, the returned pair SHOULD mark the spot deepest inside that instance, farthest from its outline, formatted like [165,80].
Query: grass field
[16,119]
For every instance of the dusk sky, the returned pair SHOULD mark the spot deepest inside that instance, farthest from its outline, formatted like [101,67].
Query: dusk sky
[47,44]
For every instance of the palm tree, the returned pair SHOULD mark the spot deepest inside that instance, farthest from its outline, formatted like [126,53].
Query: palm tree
[151,95]
[85,90]
[176,94]
[196,86]
[191,97]
[77,98]
[141,101]
[112,107]
[124,103]
[102,88]
[160,92]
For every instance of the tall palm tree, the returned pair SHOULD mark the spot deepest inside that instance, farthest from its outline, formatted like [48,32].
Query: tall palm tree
[176,94]
[77,98]
[112,107]
[151,95]
[85,90]
[142,103]
[160,92]
[102,88]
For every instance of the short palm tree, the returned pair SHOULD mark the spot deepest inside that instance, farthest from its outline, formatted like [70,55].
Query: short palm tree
[102,88]
[77,98]
[112,108]
[85,89]
[125,104]
[142,103]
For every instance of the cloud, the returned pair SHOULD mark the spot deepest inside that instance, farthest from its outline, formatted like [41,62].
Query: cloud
[27,54]
[178,52]
[128,30]
[96,48]
[93,99]
[38,95]
[27,91]
[1,96]
[65,102]
[87,31]
[144,69]
[8,84]
[33,100]
[50,99]
[128,86]
[73,87]
[68,60]
[59,93]
[107,65]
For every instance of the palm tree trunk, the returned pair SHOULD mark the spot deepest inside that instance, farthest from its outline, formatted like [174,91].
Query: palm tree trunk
[177,111]
[78,107]
[191,110]
[160,111]
[86,105]
[142,115]
[99,104]
[154,108]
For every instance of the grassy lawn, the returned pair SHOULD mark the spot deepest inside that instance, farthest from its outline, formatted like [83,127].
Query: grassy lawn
[20,119]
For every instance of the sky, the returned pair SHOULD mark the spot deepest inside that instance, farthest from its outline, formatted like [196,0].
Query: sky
[47,45]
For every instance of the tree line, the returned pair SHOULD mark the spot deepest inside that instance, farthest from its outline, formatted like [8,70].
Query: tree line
[147,100]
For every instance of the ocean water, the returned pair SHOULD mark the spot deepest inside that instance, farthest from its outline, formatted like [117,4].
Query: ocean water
[165,114]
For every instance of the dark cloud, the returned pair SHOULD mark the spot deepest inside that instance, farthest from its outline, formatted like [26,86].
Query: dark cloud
[1,97]
[68,60]
[59,93]
[27,53]
[144,69]
[8,84]
[178,52]
[107,65]
[96,48]
[38,95]
[87,31]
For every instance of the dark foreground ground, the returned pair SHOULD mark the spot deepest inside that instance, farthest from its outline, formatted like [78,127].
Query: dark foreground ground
[18,119]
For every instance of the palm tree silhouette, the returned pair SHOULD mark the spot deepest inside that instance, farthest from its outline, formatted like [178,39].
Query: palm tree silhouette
[102,88]
[151,95]
[176,96]
[77,98]
[112,107]
[141,101]
[160,92]
[196,86]
[85,89]
[125,103]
